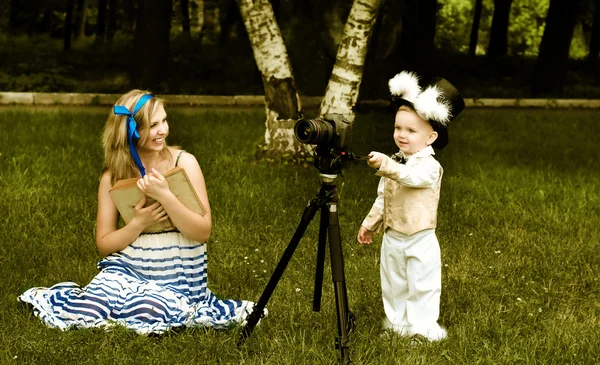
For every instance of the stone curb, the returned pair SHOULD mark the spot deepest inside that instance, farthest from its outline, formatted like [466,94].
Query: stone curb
[24,98]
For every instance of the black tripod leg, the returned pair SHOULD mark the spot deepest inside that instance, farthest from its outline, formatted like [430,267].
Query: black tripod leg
[339,282]
[258,310]
[320,259]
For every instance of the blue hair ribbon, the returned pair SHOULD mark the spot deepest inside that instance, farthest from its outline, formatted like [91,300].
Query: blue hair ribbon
[132,132]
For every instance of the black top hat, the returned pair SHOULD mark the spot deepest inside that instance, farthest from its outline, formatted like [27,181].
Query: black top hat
[439,102]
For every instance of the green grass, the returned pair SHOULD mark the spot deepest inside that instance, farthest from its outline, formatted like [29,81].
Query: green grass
[518,227]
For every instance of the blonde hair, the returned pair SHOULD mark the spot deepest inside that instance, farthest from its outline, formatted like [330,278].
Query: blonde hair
[117,156]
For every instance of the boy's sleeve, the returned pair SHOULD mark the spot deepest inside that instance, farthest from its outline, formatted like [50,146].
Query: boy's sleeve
[425,174]
[374,220]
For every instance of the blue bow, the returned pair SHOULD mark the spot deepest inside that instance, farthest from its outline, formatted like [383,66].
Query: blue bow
[132,132]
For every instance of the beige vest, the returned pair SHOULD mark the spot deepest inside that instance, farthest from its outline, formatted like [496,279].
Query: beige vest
[406,209]
[410,210]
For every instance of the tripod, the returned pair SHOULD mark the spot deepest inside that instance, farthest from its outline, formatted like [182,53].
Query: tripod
[326,202]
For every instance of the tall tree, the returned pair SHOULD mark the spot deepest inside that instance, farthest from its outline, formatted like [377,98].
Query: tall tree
[196,17]
[129,8]
[112,20]
[151,42]
[475,28]
[80,19]
[185,17]
[13,16]
[416,43]
[341,94]
[211,27]
[229,17]
[101,22]
[594,54]
[498,45]
[68,25]
[551,66]
[282,102]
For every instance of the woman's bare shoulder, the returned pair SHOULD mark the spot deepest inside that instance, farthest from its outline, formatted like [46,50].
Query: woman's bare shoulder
[105,179]
[188,160]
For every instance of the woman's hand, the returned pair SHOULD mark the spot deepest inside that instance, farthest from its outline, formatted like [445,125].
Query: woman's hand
[154,185]
[365,237]
[149,215]
[375,159]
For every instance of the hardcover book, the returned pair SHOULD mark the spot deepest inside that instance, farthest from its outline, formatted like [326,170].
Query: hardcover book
[126,195]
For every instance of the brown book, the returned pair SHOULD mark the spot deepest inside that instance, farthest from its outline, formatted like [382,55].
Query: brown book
[126,195]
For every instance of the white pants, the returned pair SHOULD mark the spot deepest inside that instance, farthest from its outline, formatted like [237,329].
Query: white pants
[411,283]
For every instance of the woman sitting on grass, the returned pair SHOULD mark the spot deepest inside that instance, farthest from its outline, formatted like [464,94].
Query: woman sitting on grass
[149,282]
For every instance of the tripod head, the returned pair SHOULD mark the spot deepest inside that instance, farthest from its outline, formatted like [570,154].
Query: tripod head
[330,160]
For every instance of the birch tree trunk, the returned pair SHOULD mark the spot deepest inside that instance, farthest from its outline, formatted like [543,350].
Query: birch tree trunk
[282,102]
[342,91]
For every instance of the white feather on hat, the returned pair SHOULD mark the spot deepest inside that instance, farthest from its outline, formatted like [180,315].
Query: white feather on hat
[430,106]
[405,85]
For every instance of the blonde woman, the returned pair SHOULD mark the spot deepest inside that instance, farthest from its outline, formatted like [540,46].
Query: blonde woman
[148,282]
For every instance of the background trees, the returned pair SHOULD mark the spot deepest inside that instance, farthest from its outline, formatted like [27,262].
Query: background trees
[208,50]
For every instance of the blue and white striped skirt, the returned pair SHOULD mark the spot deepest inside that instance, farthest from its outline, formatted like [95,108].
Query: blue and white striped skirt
[157,283]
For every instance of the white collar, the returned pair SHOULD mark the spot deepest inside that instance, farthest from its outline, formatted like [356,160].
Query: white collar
[425,152]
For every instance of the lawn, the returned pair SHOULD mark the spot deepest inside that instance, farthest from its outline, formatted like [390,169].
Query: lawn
[518,226]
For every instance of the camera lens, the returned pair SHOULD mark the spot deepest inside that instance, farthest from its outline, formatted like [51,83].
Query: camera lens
[313,131]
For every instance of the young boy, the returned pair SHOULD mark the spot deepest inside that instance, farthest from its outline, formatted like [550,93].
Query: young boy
[406,206]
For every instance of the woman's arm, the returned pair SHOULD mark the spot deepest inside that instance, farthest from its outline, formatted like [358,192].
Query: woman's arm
[193,225]
[109,239]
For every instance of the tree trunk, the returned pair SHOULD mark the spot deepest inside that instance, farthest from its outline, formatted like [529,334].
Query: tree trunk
[151,42]
[13,16]
[373,71]
[80,21]
[68,26]
[594,54]
[211,28]
[341,94]
[417,37]
[475,28]
[130,16]
[112,20]
[101,22]
[196,17]
[282,102]
[498,45]
[551,66]
[228,19]
[185,17]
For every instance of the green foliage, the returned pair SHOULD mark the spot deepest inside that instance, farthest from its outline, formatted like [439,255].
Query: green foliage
[517,226]
[526,27]
[525,30]
[454,21]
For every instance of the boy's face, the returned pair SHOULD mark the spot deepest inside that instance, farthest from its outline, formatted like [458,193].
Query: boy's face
[412,133]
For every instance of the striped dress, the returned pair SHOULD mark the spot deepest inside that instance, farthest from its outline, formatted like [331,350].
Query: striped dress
[157,283]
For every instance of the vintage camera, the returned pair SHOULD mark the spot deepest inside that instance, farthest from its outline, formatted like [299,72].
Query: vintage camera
[333,131]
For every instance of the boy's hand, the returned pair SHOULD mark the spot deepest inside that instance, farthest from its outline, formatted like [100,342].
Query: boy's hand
[375,159]
[365,237]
